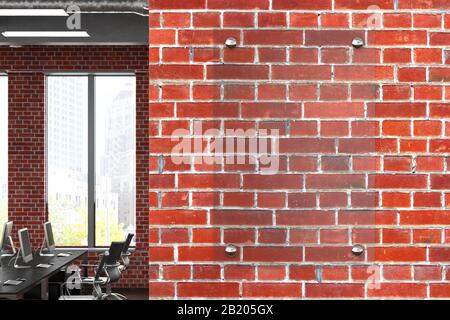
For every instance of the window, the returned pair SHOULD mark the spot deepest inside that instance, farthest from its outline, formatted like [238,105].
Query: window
[3,148]
[91,146]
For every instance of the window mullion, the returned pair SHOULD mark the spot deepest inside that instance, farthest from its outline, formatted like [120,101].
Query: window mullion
[91,161]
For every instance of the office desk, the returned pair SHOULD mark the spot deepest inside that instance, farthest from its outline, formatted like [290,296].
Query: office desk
[34,276]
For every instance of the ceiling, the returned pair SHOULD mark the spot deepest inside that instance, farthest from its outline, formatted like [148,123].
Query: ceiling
[111,22]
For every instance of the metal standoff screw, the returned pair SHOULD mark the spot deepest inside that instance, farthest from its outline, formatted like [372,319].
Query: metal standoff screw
[357,249]
[231,250]
[357,43]
[231,42]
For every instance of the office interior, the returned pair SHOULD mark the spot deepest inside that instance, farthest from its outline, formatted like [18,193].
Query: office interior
[74,146]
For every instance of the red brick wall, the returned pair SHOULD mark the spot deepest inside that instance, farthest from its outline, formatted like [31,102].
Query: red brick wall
[26,68]
[363,148]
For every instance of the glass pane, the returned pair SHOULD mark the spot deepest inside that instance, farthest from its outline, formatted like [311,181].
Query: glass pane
[115,158]
[3,149]
[67,145]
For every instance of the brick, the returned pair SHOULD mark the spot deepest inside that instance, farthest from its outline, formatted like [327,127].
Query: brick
[204,253]
[290,181]
[241,217]
[364,4]
[365,145]
[206,19]
[207,110]
[411,290]
[440,290]
[427,272]
[303,55]
[333,110]
[176,72]
[397,38]
[333,236]
[431,199]
[300,72]
[237,72]
[302,92]
[208,289]
[238,4]
[439,39]
[411,74]
[400,254]
[239,272]
[301,5]
[440,254]
[272,54]
[330,37]
[239,55]
[366,217]
[176,20]
[303,20]
[206,272]
[272,290]
[302,272]
[397,20]
[334,20]
[397,163]
[273,37]
[428,55]
[175,217]
[363,73]
[397,55]
[303,217]
[267,254]
[334,290]
[334,55]
[334,129]
[271,272]
[396,200]
[306,145]
[271,19]
[427,217]
[419,4]
[396,110]
[191,4]
[239,235]
[238,19]
[396,92]
[330,254]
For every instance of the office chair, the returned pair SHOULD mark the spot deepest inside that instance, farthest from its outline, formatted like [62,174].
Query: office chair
[106,272]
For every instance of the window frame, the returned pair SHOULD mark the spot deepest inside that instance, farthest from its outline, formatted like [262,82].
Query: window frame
[4,74]
[91,221]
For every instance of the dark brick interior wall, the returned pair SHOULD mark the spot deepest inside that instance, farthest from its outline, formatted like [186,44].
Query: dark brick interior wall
[26,68]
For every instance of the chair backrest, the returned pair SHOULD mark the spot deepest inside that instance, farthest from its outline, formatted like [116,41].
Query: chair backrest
[127,242]
[112,260]
[100,266]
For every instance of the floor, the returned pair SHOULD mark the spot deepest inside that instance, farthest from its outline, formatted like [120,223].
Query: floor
[133,294]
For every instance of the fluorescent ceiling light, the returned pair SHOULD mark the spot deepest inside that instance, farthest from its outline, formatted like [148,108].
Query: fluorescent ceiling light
[45,34]
[32,12]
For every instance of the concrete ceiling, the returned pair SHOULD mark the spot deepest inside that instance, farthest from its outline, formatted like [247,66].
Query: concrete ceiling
[109,22]
[99,5]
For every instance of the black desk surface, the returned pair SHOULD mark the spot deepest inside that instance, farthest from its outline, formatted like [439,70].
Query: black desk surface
[33,275]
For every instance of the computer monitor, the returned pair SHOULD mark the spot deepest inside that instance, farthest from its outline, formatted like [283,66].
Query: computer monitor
[7,229]
[49,236]
[25,246]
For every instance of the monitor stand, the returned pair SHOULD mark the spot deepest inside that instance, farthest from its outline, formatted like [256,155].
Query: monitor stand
[42,254]
[18,266]
[13,249]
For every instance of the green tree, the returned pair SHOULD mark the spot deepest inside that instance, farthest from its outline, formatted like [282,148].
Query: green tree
[70,224]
